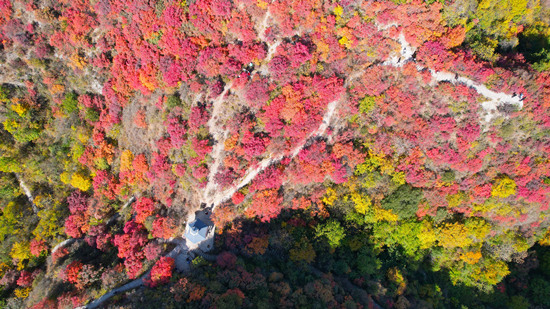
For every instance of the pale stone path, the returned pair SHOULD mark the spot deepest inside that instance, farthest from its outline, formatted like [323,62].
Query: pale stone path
[213,196]
[406,54]
[27,192]
[219,135]
[223,195]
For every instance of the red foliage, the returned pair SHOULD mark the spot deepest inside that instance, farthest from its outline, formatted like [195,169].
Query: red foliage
[176,129]
[99,236]
[130,246]
[278,66]
[201,147]
[257,93]
[223,215]
[311,165]
[72,271]
[140,164]
[270,178]
[253,145]
[77,202]
[173,16]
[161,271]
[163,228]
[266,205]
[59,253]
[5,11]
[76,224]
[140,119]
[37,246]
[247,52]
[301,203]
[300,108]
[105,185]
[133,267]
[71,299]
[25,279]
[161,178]
[152,251]
[226,259]
[198,117]
[45,303]
[237,198]
[200,172]
[211,61]
[144,208]
[225,177]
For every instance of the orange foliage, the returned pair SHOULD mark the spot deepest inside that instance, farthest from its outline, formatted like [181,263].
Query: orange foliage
[471,257]
[139,119]
[196,292]
[453,37]
[266,205]
[223,215]
[231,142]
[258,245]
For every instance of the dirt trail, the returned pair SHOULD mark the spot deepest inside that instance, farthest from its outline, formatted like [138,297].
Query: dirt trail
[406,54]
[221,196]
[211,193]
[263,69]
[263,26]
[27,192]
[496,98]
[219,135]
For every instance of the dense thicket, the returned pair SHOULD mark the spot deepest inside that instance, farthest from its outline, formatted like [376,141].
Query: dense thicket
[406,142]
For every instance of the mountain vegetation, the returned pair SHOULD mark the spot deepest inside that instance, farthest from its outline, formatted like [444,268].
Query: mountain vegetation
[356,154]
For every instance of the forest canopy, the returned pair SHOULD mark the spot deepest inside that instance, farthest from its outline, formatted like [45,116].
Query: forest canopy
[349,153]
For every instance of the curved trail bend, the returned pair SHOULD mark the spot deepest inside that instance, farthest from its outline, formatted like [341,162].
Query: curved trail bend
[213,195]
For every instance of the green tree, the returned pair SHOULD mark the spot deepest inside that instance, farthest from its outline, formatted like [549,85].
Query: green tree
[11,214]
[403,202]
[367,262]
[539,291]
[69,103]
[333,231]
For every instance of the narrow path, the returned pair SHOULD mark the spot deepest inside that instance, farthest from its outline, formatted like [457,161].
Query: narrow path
[496,98]
[27,192]
[181,248]
[129,286]
[263,69]
[64,243]
[406,54]
[263,26]
[219,135]
[213,196]
[252,172]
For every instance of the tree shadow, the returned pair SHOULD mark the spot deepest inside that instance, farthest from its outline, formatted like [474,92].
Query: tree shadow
[535,47]
[393,278]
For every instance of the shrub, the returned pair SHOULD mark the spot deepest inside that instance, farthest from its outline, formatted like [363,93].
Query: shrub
[161,271]
[333,232]
[403,202]
[173,101]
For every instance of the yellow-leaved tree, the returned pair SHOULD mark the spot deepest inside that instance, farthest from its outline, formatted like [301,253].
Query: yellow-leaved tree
[504,187]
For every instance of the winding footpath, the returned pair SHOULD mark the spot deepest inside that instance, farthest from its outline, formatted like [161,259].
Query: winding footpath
[219,135]
[179,249]
[406,54]
[223,195]
[27,192]
[212,195]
